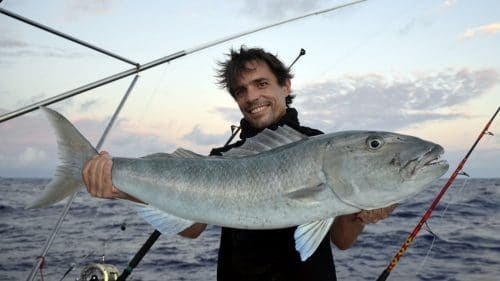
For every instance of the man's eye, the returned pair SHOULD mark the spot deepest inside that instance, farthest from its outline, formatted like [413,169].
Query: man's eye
[262,84]
[238,93]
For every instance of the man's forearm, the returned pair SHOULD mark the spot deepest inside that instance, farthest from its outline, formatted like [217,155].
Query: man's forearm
[345,231]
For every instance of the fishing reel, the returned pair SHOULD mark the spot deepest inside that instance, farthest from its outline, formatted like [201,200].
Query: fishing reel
[99,272]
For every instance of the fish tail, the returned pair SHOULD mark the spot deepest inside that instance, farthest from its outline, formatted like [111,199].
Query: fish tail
[74,151]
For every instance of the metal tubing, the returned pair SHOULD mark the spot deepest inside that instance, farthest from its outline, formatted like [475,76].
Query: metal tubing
[65,36]
[117,112]
[52,236]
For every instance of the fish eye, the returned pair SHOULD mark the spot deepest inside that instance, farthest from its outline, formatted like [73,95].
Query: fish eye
[374,142]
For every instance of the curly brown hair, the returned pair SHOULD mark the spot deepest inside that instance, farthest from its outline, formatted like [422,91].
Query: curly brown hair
[231,70]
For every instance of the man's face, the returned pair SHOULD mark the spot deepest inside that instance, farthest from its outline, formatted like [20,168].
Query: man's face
[260,98]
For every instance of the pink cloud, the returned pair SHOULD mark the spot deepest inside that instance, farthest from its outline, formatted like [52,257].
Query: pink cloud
[483,29]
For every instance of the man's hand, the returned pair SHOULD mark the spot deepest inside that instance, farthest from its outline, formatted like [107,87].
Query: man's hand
[373,216]
[97,176]
[346,228]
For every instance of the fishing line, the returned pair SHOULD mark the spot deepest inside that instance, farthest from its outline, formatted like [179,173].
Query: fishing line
[434,235]
[153,95]
[379,34]
[394,261]
[82,260]
[454,200]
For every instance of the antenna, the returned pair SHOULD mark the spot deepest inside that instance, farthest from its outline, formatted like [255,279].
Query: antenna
[302,52]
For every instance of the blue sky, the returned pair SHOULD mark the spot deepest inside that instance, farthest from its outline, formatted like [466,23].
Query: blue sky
[425,68]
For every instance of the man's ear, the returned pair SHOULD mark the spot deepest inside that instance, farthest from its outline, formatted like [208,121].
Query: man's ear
[287,88]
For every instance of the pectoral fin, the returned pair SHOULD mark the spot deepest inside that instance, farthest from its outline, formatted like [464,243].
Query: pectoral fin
[311,194]
[309,236]
[163,222]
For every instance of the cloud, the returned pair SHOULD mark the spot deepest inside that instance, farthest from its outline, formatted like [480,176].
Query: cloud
[28,144]
[128,144]
[405,29]
[32,155]
[90,6]
[122,139]
[8,43]
[376,102]
[197,136]
[25,147]
[449,3]
[77,9]
[488,29]
[88,105]
[232,114]
[278,8]
[21,49]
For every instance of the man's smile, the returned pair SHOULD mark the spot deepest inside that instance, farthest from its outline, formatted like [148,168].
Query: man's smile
[258,108]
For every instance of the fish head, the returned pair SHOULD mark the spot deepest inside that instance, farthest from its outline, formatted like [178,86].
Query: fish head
[370,170]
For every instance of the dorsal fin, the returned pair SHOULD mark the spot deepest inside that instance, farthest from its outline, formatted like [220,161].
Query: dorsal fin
[266,140]
[179,153]
[184,153]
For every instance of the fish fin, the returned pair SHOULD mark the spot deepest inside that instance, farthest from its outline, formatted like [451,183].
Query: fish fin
[266,140]
[159,155]
[310,194]
[162,221]
[184,153]
[74,151]
[308,237]
[178,153]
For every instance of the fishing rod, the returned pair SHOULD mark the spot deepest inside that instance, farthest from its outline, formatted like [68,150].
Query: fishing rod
[157,62]
[427,214]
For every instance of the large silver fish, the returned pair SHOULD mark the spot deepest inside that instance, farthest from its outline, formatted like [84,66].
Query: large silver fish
[277,179]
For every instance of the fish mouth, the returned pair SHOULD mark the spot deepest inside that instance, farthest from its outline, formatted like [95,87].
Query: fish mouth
[428,161]
[432,156]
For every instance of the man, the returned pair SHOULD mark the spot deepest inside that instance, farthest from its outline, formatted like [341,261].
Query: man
[261,86]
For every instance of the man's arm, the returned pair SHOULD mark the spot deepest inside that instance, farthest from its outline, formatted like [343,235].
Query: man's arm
[346,228]
[97,177]
[193,231]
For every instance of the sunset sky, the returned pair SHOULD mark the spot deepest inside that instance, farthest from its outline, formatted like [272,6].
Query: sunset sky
[425,68]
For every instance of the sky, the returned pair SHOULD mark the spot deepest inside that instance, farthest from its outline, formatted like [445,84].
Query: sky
[425,68]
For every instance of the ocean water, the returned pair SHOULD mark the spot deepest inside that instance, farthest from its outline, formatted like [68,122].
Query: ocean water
[466,244]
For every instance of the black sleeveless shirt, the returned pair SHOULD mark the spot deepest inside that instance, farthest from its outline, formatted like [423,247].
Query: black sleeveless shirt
[263,255]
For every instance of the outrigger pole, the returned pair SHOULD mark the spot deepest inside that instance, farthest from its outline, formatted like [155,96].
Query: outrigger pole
[427,214]
[168,58]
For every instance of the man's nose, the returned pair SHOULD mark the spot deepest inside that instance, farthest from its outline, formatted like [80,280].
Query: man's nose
[252,94]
